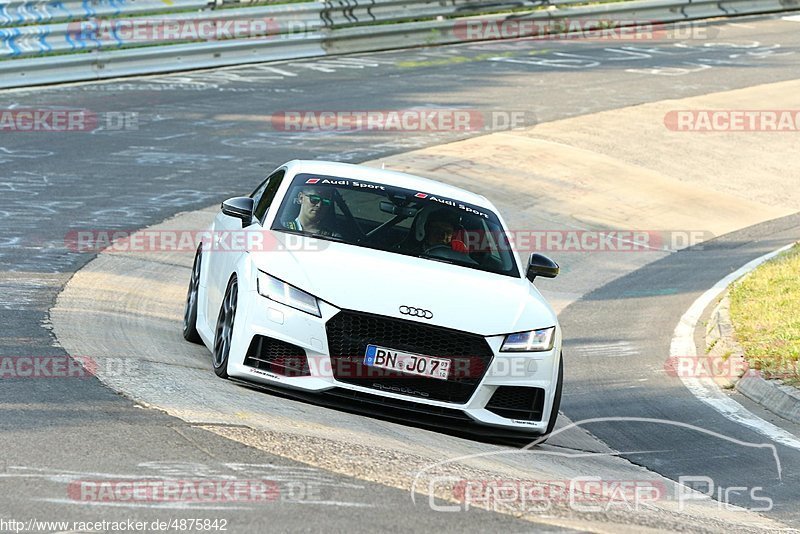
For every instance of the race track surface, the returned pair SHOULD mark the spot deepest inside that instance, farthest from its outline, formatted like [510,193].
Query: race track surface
[198,138]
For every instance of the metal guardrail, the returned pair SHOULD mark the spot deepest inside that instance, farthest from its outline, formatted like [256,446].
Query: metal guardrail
[304,30]
[96,32]
[110,33]
[21,12]
[35,27]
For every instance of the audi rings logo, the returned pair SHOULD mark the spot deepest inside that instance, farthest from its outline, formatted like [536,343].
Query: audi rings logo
[416,312]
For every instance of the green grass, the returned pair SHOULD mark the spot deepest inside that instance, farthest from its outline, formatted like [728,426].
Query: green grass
[765,311]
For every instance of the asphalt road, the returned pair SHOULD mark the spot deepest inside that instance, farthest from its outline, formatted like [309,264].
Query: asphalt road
[711,447]
[202,137]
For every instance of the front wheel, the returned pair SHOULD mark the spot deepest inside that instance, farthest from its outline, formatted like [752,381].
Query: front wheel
[190,309]
[224,332]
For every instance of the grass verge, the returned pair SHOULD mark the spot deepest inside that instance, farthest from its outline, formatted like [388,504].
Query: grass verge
[765,311]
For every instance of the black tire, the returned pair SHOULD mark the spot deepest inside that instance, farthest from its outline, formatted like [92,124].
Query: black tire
[190,309]
[556,402]
[223,334]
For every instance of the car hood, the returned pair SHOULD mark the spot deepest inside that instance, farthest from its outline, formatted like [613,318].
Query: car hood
[372,281]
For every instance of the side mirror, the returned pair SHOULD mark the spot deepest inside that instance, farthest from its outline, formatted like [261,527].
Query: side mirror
[540,265]
[239,207]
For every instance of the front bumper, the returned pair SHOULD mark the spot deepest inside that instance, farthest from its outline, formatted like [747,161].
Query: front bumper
[263,317]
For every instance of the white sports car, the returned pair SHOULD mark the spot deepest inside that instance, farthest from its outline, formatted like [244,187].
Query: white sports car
[378,291]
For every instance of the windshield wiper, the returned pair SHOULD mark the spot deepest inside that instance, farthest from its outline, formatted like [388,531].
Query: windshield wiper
[328,237]
[443,260]
[309,234]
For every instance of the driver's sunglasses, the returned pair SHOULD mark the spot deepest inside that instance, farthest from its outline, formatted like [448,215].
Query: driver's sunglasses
[315,199]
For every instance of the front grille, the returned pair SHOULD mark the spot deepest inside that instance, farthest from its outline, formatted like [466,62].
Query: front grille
[349,333]
[514,402]
[276,356]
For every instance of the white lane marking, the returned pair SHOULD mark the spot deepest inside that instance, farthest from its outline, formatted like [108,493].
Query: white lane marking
[182,506]
[274,70]
[168,506]
[619,348]
[172,136]
[792,18]
[335,503]
[705,389]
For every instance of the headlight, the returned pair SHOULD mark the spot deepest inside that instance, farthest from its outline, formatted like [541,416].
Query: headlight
[533,341]
[280,291]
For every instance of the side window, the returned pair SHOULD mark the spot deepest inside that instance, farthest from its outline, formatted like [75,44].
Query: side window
[270,187]
[256,195]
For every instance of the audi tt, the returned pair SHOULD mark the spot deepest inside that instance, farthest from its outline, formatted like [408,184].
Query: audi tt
[382,291]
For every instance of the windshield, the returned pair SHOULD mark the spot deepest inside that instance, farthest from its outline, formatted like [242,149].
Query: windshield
[396,220]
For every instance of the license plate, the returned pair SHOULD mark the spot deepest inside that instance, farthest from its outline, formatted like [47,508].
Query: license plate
[406,362]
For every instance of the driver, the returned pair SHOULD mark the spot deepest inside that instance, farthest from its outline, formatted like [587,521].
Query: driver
[438,232]
[439,229]
[315,211]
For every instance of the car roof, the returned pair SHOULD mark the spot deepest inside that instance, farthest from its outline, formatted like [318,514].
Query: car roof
[392,178]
